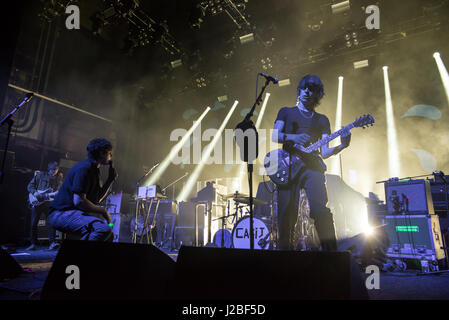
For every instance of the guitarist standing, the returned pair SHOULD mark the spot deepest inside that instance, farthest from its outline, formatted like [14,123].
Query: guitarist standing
[49,181]
[302,125]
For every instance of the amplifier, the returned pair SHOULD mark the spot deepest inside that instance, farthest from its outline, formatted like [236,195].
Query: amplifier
[409,197]
[414,237]
[186,214]
[117,203]
[42,231]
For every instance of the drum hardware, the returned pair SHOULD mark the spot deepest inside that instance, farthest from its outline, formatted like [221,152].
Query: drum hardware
[206,211]
[245,200]
[223,224]
[234,195]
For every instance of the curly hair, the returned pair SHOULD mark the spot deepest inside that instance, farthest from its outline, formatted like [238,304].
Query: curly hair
[96,146]
[312,82]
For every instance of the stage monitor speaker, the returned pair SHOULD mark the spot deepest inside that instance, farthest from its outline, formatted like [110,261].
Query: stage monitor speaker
[105,270]
[9,268]
[221,273]
[409,197]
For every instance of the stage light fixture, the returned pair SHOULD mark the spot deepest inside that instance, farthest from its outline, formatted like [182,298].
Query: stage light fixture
[361,64]
[443,73]
[285,82]
[154,177]
[247,38]
[222,98]
[205,155]
[176,63]
[393,146]
[341,7]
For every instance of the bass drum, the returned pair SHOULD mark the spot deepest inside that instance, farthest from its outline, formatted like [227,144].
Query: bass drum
[241,238]
[227,238]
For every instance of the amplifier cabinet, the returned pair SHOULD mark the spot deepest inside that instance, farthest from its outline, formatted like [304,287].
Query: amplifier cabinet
[414,237]
[409,197]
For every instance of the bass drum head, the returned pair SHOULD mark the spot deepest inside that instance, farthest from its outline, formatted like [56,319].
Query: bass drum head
[227,238]
[241,232]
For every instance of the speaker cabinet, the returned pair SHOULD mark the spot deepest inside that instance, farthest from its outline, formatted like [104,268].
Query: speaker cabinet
[221,273]
[108,271]
[9,268]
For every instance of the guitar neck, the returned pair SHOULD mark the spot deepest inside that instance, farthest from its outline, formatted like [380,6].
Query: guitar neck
[329,138]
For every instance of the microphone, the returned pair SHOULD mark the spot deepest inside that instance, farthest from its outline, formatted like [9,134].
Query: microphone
[154,167]
[110,163]
[269,78]
[29,96]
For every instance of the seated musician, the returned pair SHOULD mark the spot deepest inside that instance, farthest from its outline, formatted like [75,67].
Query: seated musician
[43,185]
[75,209]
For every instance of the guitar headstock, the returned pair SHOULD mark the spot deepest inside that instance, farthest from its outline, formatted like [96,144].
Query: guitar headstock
[364,121]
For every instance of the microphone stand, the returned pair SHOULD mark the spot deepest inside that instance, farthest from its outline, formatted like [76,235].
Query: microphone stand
[134,240]
[176,181]
[10,123]
[246,125]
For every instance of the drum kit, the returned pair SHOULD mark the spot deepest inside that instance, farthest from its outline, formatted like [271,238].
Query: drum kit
[236,234]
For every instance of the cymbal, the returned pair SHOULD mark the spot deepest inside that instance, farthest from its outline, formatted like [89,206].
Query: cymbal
[233,195]
[224,217]
[245,200]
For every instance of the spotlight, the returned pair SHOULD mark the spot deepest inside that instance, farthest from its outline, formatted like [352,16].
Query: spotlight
[204,157]
[285,82]
[176,63]
[247,38]
[393,146]
[369,231]
[361,64]
[222,98]
[443,73]
[336,167]
[173,152]
[340,7]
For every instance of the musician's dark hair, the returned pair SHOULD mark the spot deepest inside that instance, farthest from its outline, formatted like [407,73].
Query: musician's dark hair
[52,165]
[313,82]
[96,146]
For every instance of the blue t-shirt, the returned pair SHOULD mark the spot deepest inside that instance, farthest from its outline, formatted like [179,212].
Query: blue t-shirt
[84,177]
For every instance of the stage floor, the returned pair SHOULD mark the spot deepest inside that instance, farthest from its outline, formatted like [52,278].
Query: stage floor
[393,286]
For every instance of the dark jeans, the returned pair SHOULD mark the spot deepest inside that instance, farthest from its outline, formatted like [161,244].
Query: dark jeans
[288,197]
[89,226]
[36,213]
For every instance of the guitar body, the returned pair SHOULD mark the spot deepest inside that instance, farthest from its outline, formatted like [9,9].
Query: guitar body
[277,166]
[282,170]
[41,196]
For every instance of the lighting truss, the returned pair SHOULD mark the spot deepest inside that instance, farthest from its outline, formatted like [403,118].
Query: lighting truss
[143,30]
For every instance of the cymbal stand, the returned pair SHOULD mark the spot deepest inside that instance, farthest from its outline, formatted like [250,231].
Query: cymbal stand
[205,204]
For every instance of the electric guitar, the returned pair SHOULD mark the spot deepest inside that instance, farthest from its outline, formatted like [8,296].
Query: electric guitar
[281,169]
[41,196]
